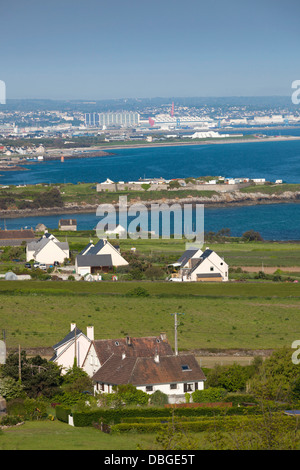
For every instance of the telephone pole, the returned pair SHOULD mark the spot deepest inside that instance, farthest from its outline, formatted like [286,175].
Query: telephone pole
[20,367]
[176,328]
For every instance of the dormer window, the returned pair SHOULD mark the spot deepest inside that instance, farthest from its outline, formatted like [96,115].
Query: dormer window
[117,343]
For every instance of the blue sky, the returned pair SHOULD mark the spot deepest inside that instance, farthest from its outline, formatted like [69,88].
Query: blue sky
[88,49]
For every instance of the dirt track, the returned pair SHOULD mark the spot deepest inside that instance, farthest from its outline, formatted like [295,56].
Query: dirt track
[269,269]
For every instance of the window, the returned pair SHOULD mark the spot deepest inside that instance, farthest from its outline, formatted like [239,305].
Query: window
[173,386]
[185,367]
[211,268]
[149,388]
[188,387]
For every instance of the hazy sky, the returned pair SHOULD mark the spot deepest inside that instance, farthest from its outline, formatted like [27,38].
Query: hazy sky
[102,49]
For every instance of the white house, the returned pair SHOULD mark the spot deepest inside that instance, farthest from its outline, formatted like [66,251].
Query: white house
[118,230]
[100,257]
[74,345]
[173,375]
[47,250]
[200,266]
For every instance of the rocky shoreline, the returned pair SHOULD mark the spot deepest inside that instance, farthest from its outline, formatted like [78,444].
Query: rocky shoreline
[234,198]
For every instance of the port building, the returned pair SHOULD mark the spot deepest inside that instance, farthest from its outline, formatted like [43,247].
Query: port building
[123,119]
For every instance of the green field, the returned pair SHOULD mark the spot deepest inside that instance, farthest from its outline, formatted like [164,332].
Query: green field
[228,315]
[55,435]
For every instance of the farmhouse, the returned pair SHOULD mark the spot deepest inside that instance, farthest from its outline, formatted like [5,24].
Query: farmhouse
[101,350]
[173,375]
[102,257]
[16,237]
[74,345]
[47,250]
[67,225]
[195,265]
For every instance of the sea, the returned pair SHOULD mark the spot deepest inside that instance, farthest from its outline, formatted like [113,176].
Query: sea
[269,160]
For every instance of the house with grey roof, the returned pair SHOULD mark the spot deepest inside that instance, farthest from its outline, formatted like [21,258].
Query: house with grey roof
[195,265]
[47,250]
[98,258]
[73,347]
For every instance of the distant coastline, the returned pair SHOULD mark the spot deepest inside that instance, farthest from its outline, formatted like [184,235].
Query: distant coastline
[194,142]
[234,198]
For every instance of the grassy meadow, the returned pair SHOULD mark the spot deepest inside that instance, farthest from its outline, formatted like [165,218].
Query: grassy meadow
[230,315]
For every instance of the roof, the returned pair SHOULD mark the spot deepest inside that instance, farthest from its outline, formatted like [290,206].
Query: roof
[206,253]
[188,254]
[204,256]
[16,234]
[68,222]
[145,370]
[86,248]
[209,275]
[94,260]
[68,337]
[38,245]
[132,347]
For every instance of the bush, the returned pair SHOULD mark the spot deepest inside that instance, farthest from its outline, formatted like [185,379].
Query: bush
[10,420]
[138,292]
[211,395]
[158,398]
[62,413]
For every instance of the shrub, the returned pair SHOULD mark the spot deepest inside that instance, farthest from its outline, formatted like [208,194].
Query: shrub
[211,395]
[158,398]
[62,413]
[10,420]
[138,292]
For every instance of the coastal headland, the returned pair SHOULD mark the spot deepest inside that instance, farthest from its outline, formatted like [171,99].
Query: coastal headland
[82,198]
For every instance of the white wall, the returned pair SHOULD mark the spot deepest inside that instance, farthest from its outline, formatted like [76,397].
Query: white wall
[66,352]
[173,394]
[91,363]
[213,261]
[117,259]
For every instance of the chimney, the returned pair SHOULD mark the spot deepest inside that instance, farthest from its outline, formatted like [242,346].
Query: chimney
[123,356]
[90,332]
[163,336]
[156,358]
[73,325]
[128,341]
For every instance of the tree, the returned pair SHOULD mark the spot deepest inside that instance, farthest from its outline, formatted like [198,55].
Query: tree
[38,376]
[10,388]
[154,272]
[175,437]
[277,377]
[233,378]
[267,431]
[77,380]
[252,236]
